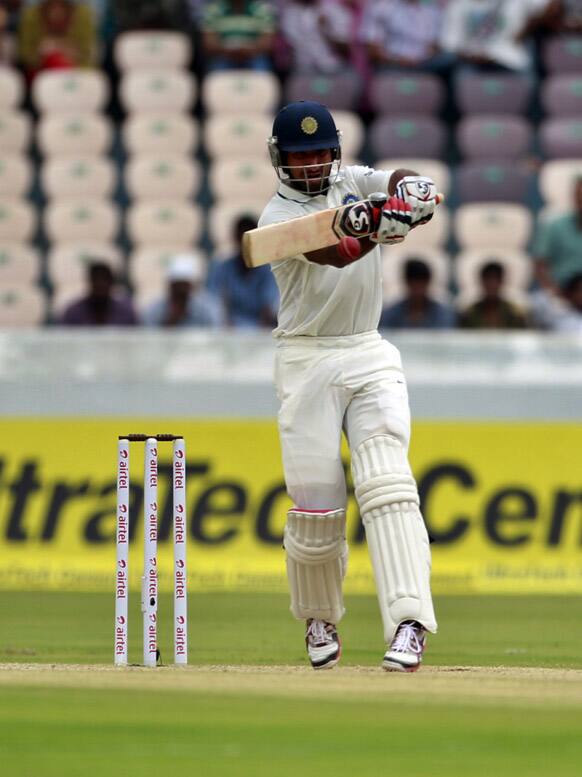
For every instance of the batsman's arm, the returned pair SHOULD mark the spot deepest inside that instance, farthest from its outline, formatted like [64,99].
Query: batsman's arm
[348,250]
[397,176]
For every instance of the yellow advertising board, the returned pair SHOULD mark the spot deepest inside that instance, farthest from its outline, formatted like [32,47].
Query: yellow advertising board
[502,502]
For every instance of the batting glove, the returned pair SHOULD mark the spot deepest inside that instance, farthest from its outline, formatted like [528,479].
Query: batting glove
[420,193]
[394,222]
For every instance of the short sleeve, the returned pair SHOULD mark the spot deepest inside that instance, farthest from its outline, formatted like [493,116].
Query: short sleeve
[276,212]
[368,180]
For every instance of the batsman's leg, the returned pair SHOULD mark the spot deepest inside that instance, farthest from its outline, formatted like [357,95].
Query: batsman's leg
[314,539]
[378,428]
[398,545]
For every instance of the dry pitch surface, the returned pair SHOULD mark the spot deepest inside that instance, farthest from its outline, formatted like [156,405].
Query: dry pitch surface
[465,685]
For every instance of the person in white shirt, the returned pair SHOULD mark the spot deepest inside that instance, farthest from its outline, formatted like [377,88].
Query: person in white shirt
[492,33]
[186,302]
[334,373]
[307,28]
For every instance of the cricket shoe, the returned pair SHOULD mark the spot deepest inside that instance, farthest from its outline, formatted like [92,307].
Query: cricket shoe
[405,651]
[324,647]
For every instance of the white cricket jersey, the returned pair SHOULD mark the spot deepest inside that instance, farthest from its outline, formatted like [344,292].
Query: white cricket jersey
[320,300]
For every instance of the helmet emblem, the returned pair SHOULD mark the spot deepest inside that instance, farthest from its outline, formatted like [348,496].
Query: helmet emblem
[309,125]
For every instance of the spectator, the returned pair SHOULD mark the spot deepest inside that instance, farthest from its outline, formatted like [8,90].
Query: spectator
[238,34]
[565,16]
[322,34]
[187,302]
[250,296]
[101,306]
[557,247]
[417,310]
[9,13]
[493,35]
[152,14]
[56,34]
[492,310]
[405,34]
[562,311]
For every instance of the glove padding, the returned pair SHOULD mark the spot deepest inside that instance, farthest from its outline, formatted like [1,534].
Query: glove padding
[420,193]
[394,222]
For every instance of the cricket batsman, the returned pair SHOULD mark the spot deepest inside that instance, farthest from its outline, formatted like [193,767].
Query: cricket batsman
[335,373]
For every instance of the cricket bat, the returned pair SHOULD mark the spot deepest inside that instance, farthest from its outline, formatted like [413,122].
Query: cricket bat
[309,233]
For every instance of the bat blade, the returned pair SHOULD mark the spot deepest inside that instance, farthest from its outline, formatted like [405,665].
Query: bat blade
[290,238]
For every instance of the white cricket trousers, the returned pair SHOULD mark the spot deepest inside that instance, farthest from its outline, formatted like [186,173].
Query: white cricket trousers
[325,385]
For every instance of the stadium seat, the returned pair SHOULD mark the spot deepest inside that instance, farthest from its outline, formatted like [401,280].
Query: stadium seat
[393,261]
[493,137]
[561,138]
[162,223]
[17,221]
[146,50]
[161,176]
[157,91]
[407,136]
[155,133]
[240,92]
[82,177]
[78,90]
[67,262]
[341,91]
[406,93]
[556,180]
[491,181]
[550,212]
[15,131]
[11,89]
[518,273]
[493,94]
[433,168]
[21,306]
[237,179]
[222,218]
[74,134]
[19,265]
[15,175]
[80,220]
[228,136]
[563,54]
[435,234]
[353,133]
[561,95]
[493,225]
[148,266]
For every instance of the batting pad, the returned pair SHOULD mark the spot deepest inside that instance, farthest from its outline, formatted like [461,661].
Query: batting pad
[396,534]
[317,556]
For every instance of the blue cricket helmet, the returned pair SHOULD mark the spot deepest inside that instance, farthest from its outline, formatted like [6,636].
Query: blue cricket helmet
[303,126]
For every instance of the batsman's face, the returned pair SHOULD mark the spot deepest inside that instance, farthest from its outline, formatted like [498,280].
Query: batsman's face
[311,168]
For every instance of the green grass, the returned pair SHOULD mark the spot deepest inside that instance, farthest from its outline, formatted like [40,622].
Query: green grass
[258,629]
[76,732]
[85,730]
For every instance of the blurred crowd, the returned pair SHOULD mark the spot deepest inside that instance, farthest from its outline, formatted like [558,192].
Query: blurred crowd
[443,37]
[312,36]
